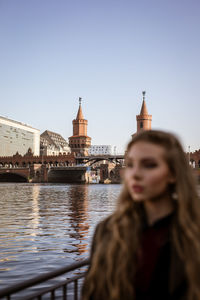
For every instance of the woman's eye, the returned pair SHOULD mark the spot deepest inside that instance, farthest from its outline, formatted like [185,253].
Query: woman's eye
[150,165]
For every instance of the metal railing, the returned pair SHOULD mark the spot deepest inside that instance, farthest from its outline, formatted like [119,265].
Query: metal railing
[11,292]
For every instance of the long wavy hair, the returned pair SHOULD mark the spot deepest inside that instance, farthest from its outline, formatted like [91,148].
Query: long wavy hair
[117,239]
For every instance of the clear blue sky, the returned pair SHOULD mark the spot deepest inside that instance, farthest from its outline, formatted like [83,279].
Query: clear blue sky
[107,52]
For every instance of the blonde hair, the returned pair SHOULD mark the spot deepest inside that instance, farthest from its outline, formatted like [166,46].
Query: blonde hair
[115,246]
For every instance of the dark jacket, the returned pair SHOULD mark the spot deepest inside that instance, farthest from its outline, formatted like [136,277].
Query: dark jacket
[168,281]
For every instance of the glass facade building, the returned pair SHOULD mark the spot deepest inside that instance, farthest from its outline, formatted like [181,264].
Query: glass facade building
[18,137]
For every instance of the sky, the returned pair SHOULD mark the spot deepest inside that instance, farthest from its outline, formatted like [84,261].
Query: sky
[107,52]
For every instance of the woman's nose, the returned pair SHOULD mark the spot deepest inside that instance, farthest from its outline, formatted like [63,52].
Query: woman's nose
[136,172]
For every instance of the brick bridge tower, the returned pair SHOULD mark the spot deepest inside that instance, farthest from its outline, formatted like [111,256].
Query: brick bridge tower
[143,119]
[79,142]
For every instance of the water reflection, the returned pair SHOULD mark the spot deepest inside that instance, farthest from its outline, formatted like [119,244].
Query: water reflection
[34,217]
[78,206]
[46,226]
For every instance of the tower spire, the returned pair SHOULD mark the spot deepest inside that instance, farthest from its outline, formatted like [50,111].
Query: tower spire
[143,110]
[80,113]
[144,93]
[143,119]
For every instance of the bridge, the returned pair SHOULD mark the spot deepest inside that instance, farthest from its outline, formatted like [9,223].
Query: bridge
[29,159]
[90,160]
[32,173]
[71,159]
[14,174]
[30,168]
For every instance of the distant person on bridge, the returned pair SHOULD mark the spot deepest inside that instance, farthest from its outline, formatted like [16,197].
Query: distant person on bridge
[149,248]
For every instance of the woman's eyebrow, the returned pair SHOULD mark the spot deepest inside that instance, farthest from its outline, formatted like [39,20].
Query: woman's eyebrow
[142,159]
[148,159]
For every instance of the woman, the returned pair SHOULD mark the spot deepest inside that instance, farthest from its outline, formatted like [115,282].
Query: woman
[149,248]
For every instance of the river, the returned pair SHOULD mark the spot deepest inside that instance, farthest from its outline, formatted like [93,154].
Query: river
[47,226]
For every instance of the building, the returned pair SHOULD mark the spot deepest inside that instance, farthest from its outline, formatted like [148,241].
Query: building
[80,142]
[18,137]
[143,119]
[52,143]
[194,158]
[102,150]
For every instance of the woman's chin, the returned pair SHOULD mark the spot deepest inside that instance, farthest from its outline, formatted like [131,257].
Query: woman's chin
[138,198]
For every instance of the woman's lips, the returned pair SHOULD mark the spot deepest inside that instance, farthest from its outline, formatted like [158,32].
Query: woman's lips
[137,188]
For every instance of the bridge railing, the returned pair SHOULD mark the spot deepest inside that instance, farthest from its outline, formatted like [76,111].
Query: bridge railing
[21,291]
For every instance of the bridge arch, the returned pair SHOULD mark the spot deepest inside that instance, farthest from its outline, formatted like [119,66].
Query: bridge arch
[92,161]
[12,177]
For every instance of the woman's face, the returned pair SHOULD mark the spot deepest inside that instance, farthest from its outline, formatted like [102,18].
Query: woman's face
[147,174]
